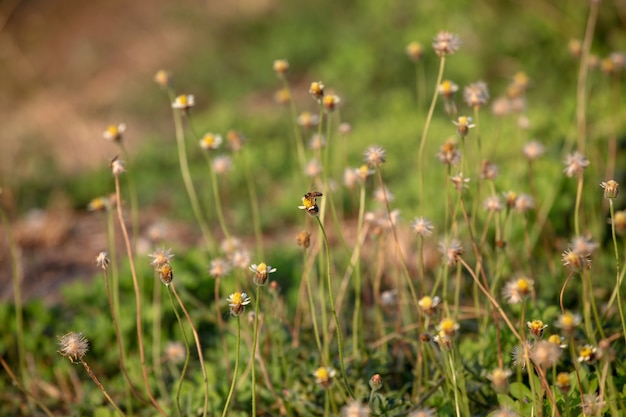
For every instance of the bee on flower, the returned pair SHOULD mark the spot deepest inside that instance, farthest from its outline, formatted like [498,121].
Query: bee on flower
[261,272]
[166,274]
[309,203]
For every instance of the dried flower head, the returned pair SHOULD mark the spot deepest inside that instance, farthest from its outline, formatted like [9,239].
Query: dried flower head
[536,328]
[350,177]
[521,354]
[73,346]
[524,203]
[240,258]
[344,128]
[451,251]
[414,51]
[219,268]
[422,227]
[517,289]
[460,182]
[545,354]
[575,261]
[281,67]
[489,170]
[235,140]
[533,150]
[261,272]
[317,90]
[374,155]
[163,78]
[449,153]
[611,189]
[355,409]
[308,120]
[303,239]
[117,166]
[184,102]
[493,204]
[382,194]
[222,164]
[237,302]
[160,257]
[476,94]
[592,404]
[230,245]
[429,305]
[445,43]
[499,378]
[317,142]
[463,125]
[501,106]
[575,164]
[175,352]
[324,376]
[114,133]
[102,260]
[510,197]
[210,141]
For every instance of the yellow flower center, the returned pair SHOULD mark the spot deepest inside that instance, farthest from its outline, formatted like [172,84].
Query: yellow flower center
[182,99]
[586,352]
[308,202]
[209,140]
[448,326]
[112,129]
[536,325]
[523,286]
[555,338]
[567,320]
[426,302]
[262,268]
[322,374]
[237,298]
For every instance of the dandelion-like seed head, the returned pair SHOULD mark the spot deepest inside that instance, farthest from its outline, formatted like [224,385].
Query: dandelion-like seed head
[313,168]
[536,328]
[219,268]
[230,245]
[449,153]
[446,43]
[451,251]
[499,378]
[587,354]
[584,245]
[163,78]
[175,352]
[166,274]
[422,227]
[376,382]
[533,150]
[210,141]
[381,194]
[429,304]
[524,203]
[460,182]
[303,239]
[545,354]
[355,409]
[350,177]
[374,155]
[102,260]
[611,189]
[489,170]
[308,120]
[160,257]
[330,102]
[114,133]
[317,90]
[237,302]
[415,51]
[493,204]
[563,382]
[463,125]
[73,346]
[575,164]
[261,272]
[117,166]
[517,289]
[324,376]
[281,67]
[317,142]
[521,354]
[447,88]
[476,94]
[222,164]
[184,102]
[568,322]
[240,258]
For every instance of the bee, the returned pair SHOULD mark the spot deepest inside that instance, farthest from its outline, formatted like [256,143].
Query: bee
[309,202]
[166,273]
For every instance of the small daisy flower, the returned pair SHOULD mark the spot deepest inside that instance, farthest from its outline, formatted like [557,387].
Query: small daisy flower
[449,153]
[463,125]
[100,204]
[184,102]
[568,322]
[210,141]
[374,155]
[587,354]
[317,90]
[303,239]
[563,382]
[446,43]
[114,133]
[261,272]
[510,197]
[451,251]
[611,188]
[447,88]
[160,257]
[422,227]
[460,182]
[575,164]
[423,412]
[536,328]
[235,140]
[73,346]
[545,354]
[219,268]
[521,354]
[448,327]
[355,409]
[237,302]
[517,289]
[557,340]
[330,102]
[281,67]
[163,78]
[166,274]
[117,166]
[376,382]
[222,164]
[324,376]
[308,120]
[533,150]
[102,260]
[175,352]
[363,172]
[493,204]
[476,95]
[414,51]
[429,304]
[499,378]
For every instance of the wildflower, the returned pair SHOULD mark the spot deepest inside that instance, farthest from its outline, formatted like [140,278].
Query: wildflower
[210,141]
[620,222]
[510,197]
[240,258]
[447,88]
[568,322]
[545,354]
[313,168]
[451,251]
[99,204]
[533,150]
[160,257]
[575,261]
[117,166]
[445,43]
[350,177]
[219,268]
[381,194]
[521,354]
[460,182]
[524,203]
[235,140]
[344,128]
[489,170]
[501,106]
[422,227]
[536,328]
[493,204]
[261,272]
[520,82]
[557,340]
[463,125]
[114,133]
[163,78]
[237,302]
[517,289]
[230,244]
[584,245]
[575,47]
[317,142]
[376,382]
[563,382]
[605,351]
[449,153]
[449,327]
[499,379]
[184,102]
[363,172]
[388,298]
[280,67]
[308,120]
[374,155]
[618,59]
[309,201]
[423,412]
[330,101]
[317,90]
[222,164]
[102,260]
[74,346]
[575,164]
[303,239]
[282,96]
[415,51]
[166,274]
[355,409]
[587,354]
[324,376]
[175,352]
[611,188]
[591,404]
[429,304]
[476,94]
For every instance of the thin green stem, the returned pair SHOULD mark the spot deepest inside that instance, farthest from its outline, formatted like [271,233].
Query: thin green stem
[232,385]
[216,196]
[617,270]
[254,344]
[134,200]
[254,204]
[187,356]
[101,387]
